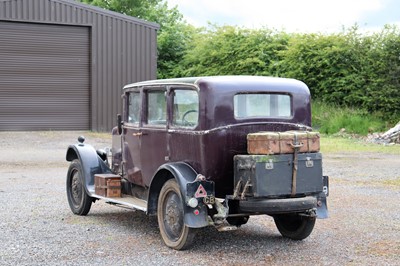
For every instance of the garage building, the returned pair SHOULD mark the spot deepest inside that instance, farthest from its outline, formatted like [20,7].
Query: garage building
[63,64]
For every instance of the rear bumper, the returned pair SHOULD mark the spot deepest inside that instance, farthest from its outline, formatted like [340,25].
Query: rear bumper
[275,206]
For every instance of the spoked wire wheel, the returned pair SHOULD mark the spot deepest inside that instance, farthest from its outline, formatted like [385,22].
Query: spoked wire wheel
[79,201]
[170,215]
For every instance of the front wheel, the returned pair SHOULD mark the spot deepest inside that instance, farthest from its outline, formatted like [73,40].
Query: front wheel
[294,226]
[79,201]
[170,214]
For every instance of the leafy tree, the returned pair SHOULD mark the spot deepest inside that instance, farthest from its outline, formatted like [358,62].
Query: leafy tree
[136,8]
[174,37]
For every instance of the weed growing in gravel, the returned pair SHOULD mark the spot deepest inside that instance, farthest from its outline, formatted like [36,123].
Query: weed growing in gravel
[100,135]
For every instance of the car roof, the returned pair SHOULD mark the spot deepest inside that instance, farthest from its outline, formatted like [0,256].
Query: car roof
[221,81]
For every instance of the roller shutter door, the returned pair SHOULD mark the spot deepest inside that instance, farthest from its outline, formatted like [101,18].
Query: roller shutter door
[44,77]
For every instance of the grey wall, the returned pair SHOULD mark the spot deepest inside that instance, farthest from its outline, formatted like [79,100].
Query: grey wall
[123,48]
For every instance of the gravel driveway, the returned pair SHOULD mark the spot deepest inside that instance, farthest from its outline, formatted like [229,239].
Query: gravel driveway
[37,227]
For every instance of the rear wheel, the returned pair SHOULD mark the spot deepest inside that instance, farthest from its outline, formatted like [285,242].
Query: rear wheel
[170,214]
[294,226]
[79,201]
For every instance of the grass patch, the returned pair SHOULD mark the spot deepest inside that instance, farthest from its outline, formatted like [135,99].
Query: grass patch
[393,182]
[330,119]
[334,144]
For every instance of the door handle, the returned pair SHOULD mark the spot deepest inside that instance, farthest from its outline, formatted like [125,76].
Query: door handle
[138,134]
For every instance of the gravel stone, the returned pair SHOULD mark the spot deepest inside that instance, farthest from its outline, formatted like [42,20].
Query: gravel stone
[38,228]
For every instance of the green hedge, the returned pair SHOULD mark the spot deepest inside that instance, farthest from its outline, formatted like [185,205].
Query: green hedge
[344,69]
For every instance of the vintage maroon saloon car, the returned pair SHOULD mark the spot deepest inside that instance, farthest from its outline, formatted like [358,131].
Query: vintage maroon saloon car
[180,151]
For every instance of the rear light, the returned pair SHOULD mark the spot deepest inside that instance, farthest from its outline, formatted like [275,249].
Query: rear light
[193,202]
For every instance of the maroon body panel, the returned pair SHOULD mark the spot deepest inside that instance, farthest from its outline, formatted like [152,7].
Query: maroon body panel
[211,153]
[210,146]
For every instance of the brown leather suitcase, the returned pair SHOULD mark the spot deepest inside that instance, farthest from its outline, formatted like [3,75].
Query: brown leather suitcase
[107,185]
[313,142]
[264,143]
[282,142]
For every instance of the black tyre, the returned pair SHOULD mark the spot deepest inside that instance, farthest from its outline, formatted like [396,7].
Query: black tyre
[237,221]
[294,226]
[170,214]
[79,201]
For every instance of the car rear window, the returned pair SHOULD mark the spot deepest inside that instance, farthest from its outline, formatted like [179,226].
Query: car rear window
[262,105]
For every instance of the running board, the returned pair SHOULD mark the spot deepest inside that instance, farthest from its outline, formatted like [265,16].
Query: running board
[125,201]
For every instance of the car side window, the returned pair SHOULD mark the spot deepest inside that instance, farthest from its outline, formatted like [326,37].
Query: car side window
[134,107]
[185,108]
[156,108]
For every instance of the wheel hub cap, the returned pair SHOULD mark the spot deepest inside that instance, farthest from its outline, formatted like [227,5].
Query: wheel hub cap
[173,216]
[76,188]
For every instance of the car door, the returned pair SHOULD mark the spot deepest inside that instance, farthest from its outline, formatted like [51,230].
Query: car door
[154,152]
[131,139]
[184,145]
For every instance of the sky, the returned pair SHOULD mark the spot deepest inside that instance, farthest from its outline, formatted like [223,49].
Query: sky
[324,16]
